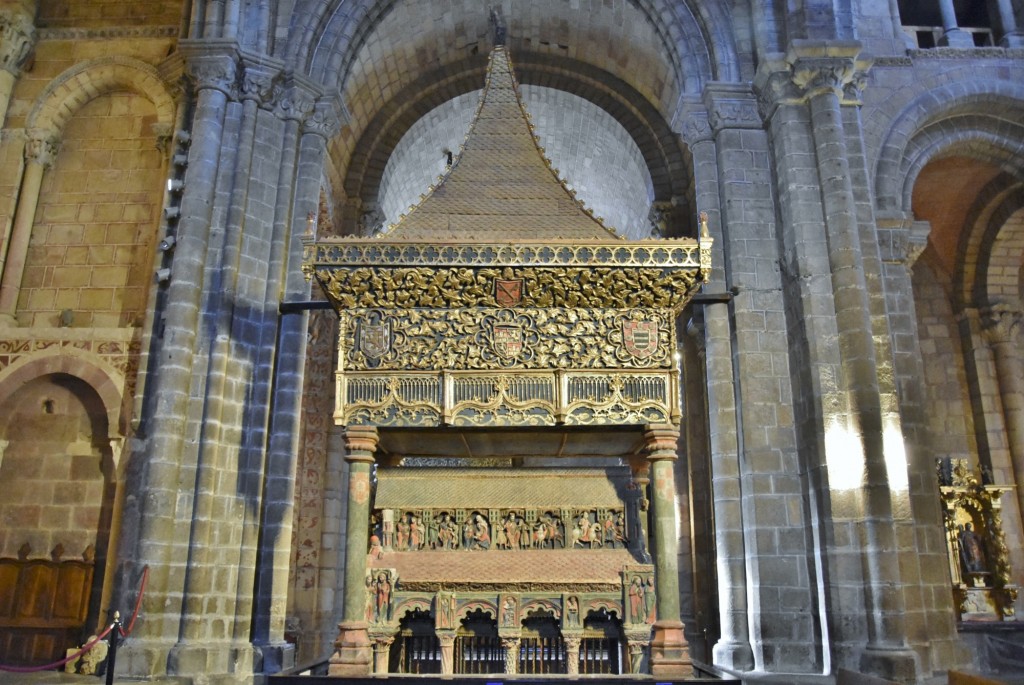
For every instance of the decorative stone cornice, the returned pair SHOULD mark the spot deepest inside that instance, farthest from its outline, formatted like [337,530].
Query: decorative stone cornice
[17,36]
[1001,323]
[42,147]
[109,32]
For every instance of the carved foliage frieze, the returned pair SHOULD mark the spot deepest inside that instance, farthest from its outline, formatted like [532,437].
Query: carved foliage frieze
[481,339]
[462,287]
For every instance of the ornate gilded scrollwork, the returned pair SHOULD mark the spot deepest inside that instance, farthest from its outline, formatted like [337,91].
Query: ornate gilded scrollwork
[494,339]
[422,287]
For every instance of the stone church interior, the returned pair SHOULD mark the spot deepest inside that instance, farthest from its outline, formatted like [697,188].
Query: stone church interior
[635,339]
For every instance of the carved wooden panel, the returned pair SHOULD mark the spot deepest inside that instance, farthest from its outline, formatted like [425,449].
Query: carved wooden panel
[43,608]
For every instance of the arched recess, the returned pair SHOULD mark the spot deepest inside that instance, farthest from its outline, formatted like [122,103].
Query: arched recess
[86,80]
[967,113]
[695,38]
[104,380]
[990,265]
[667,161]
[61,477]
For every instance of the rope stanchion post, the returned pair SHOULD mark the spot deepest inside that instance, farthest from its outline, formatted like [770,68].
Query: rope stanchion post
[112,640]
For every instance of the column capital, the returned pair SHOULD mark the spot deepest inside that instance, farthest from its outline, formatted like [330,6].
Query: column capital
[296,100]
[211,66]
[1001,322]
[17,37]
[731,106]
[326,118]
[260,83]
[691,120]
[818,67]
[42,146]
[361,442]
[661,442]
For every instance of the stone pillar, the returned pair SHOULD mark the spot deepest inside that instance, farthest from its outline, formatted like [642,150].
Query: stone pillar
[637,645]
[511,647]
[952,35]
[285,364]
[572,653]
[381,652]
[1002,323]
[40,153]
[733,647]
[447,641]
[821,71]
[352,648]
[17,36]
[1011,38]
[670,655]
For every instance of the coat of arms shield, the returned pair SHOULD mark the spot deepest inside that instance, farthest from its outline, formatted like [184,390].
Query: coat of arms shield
[375,339]
[508,340]
[640,338]
[508,292]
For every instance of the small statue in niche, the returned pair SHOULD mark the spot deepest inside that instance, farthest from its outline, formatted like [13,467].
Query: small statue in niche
[650,608]
[376,549]
[404,533]
[447,533]
[382,597]
[417,533]
[481,533]
[637,604]
[972,555]
[572,611]
[508,612]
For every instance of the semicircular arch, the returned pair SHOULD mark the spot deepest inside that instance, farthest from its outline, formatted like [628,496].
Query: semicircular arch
[104,380]
[90,79]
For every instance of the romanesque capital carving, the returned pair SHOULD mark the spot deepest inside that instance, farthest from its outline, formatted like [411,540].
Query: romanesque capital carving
[691,121]
[326,119]
[819,67]
[259,83]
[164,133]
[42,147]
[296,101]
[1001,323]
[215,71]
[17,36]
[731,106]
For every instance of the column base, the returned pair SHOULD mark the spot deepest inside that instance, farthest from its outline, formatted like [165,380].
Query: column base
[353,653]
[899,665]
[670,653]
[956,38]
[277,656]
[216,661]
[736,656]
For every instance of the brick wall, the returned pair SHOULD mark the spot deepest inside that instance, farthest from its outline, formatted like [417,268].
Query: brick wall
[92,243]
[95,13]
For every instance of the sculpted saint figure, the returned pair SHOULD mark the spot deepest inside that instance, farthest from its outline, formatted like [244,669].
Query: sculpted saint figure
[972,556]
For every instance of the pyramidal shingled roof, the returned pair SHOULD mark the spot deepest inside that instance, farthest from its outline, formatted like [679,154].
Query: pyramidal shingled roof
[500,187]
